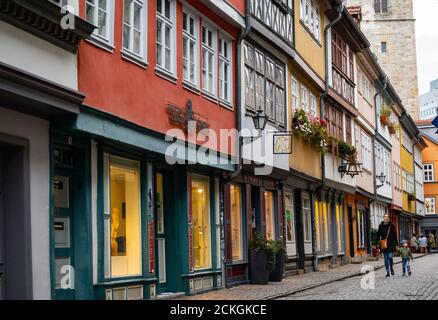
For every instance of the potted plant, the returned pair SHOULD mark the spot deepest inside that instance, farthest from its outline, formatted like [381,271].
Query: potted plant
[385,113]
[346,150]
[411,196]
[391,128]
[259,252]
[279,259]
[375,243]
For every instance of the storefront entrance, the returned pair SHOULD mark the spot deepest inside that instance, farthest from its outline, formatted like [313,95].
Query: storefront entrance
[15,255]
[162,239]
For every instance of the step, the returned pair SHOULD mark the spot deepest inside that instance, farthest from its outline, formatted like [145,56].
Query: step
[170,295]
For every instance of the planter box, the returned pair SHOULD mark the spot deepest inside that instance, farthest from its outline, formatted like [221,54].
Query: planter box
[259,267]
[276,275]
[384,120]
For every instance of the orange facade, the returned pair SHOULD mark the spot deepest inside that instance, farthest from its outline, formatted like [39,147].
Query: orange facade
[430,157]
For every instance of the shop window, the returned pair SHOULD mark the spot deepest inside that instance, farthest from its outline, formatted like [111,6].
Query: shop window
[269,215]
[122,217]
[307,219]
[201,222]
[340,225]
[361,229]
[236,222]
[289,216]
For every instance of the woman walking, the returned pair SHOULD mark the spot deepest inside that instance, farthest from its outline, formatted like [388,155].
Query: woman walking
[388,243]
[432,242]
[414,243]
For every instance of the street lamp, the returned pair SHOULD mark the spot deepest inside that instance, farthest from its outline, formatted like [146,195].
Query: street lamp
[260,120]
[382,179]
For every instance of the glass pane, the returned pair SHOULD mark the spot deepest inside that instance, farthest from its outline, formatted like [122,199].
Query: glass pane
[137,42]
[289,217]
[167,59]
[125,217]
[192,26]
[167,9]
[185,17]
[159,6]
[126,34]
[167,36]
[269,215]
[137,16]
[160,203]
[103,4]
[127,11]
[102,24]
[201,222]
[90,13]
[236,222]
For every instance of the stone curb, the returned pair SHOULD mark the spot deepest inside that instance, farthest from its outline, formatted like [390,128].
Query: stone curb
[355,274]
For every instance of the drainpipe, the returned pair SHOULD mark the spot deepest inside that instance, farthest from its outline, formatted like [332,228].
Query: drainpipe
[370,201]
[385,83]
[327,29]
[236,173]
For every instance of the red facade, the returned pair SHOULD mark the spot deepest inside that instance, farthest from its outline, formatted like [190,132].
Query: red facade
[137,94]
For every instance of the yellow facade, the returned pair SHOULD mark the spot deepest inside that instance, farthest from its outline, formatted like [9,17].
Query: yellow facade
[307,46]
[407,163]
[304,158]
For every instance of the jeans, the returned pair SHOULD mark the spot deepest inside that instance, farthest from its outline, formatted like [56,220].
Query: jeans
[388,260]
[406,265]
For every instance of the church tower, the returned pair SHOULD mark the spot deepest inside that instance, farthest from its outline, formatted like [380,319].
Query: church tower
[390,27]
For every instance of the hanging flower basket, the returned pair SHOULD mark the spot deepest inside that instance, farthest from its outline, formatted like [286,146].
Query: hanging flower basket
[347,151]
[391,129]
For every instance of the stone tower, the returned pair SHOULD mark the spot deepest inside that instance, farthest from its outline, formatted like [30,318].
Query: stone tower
[390,28]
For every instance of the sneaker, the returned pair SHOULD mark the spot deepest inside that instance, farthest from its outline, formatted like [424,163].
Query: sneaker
[387,274]
[409,272]
[392,272]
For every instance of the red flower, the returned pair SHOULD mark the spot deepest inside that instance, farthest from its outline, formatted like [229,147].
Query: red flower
[323,123]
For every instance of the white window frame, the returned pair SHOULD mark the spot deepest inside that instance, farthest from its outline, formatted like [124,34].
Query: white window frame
[304,98]
[313,104]
[106,40]
[366,156]
[428,169]
[212,50]
[171,22]
[295,94]
[192,38]
[310,17]
[432,209]
[222,62]
[143,34]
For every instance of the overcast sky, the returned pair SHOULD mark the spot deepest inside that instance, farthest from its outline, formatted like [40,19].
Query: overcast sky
[426,13]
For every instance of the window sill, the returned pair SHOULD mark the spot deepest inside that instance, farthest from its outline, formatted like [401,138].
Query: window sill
[166,75]
[101,44]
[226,105]
[209,96]
[317,42]
[130,57]
[191,87]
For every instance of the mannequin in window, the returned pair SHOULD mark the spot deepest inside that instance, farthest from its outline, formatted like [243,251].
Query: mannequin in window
[115,222]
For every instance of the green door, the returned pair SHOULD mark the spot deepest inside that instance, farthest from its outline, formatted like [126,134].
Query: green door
[63,231]
[161,239]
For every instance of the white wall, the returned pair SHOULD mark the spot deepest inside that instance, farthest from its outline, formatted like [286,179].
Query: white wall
[261,150]
[32,54]
[37,132]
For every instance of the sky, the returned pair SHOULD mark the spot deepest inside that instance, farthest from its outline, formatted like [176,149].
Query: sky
[426,14]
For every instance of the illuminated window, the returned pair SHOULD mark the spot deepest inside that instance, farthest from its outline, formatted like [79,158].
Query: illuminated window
[201,222]
[269,215]
[289,216]
[307,218]
[236,222]
[122,217]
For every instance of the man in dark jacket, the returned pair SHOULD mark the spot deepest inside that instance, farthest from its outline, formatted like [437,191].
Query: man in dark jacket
[387,231]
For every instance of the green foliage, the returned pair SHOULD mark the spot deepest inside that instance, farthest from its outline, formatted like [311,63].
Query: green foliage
[346,149]
[270,247]
[312,129]
[385,111]
[374,237]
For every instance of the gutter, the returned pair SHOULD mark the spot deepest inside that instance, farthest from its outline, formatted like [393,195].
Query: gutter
[339,10]
[236,173]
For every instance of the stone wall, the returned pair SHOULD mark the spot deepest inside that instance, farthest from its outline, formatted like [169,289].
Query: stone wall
[397,29]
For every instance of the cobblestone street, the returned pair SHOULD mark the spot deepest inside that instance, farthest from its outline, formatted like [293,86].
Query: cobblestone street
[421,285]
[302,286]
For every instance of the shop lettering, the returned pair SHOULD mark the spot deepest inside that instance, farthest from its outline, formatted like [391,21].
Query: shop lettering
[181,310]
